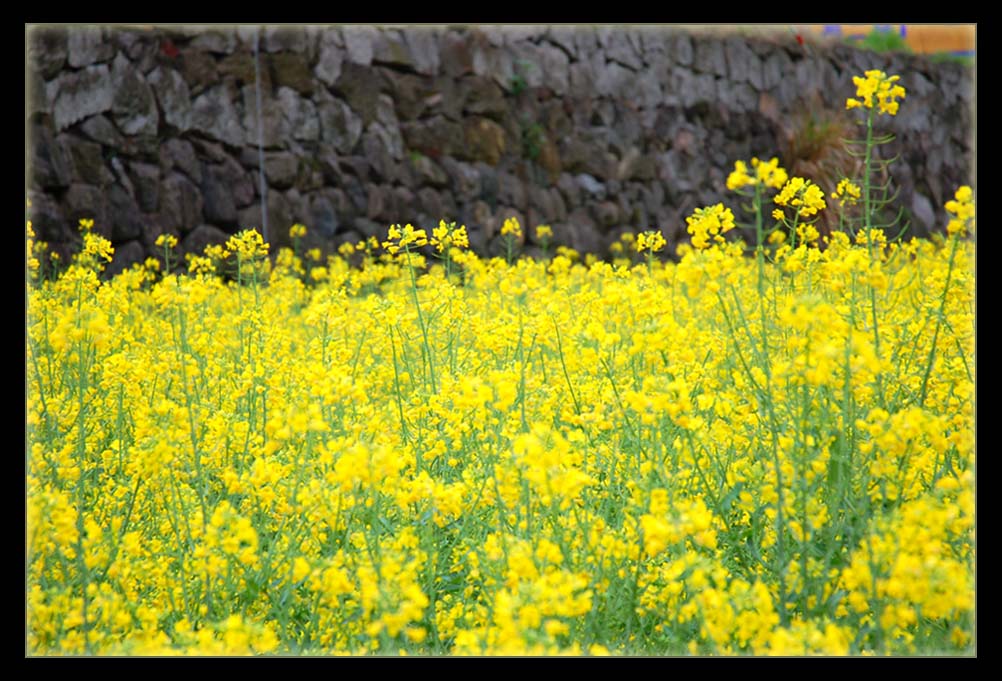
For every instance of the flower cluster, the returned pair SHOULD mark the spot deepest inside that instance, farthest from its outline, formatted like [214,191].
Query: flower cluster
[511,228]
[803,195]
[709,222]
[404,238]
[877,88]
[962,209]
[847,192]
[651,241]
[766,174]
[447,236]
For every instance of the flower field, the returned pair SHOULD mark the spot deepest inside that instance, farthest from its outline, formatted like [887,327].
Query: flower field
[759,449]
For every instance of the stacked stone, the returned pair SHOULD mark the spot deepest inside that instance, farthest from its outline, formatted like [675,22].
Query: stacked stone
[592,130]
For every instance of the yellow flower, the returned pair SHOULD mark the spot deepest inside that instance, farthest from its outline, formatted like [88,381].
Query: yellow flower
[168,240]
[876,87]
[651,241]
[403,238]
[711,221]
[297,231]
[803,195]
[511,227]
[448,235]
[847,192]
[962,208]
[767,174]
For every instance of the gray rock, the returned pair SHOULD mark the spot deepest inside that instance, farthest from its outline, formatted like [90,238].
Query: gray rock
[358,42]
[178,153]
[696,90]
[556,68]
[126,221]
[923,215]
[201,237]
[775,68]
[292,70]
[284,39]
[174,97]
[645,90]
[739,58]
[613,80]
[86,45]
[80,94]
[489,184]
[423,46]
[100,129]
[47,50]
[359,85]
[51,165]
[540,205]
[389,139]
[606,213]
[380,202]
[199,70]
[280,219]
[586,39]
[581,232]
[180,203]
[84,201]
[709,56]
[618,48]
[484,141]
[36,95]
[218,204]
[133,108]
[558,203]
[483,96]
[464,179]
[145,178]
[683,50]
[430,204]
[445,96]
[214,114]
[281,168]
[428,172]
[456,59]
[569,189]
[389,48]
[434,137]
[273,131]
[332,53]
[369,228]
[49,221]
[584,74]
[88,162]
[526,63]
[240,67]
[221,41]
[300,115]
[339,125]
[654,44]
[125,256]
[512,191]
[564,38]
[409,93]
[323,218]
[494,63]
[590,185]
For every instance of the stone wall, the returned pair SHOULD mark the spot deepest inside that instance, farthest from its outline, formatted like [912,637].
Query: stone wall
[591,130]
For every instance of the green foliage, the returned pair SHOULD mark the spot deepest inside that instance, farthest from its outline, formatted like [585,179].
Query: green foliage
[533,137]
[884,41]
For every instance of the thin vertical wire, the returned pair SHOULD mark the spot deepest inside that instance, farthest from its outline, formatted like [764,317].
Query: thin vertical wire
[260,139]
